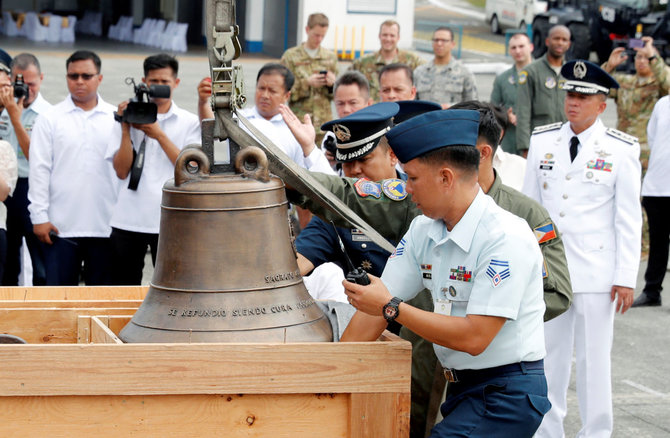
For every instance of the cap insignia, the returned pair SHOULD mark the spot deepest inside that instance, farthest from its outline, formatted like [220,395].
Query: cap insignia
[341,132]
[579,70]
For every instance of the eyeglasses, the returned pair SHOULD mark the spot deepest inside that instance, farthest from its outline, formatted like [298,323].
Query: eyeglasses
[441,40]
[84,76]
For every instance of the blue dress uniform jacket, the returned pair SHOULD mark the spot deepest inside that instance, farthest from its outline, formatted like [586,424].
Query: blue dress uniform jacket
[594,201]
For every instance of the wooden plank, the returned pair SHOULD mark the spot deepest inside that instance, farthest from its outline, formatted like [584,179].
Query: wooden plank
[136,369]
[369,415]
[38,325]
[73,293]
[83,329]
[280,416]
[117,323]
[64,304]
[100,332]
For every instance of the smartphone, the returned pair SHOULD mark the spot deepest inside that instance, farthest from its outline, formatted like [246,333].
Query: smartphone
[635,43]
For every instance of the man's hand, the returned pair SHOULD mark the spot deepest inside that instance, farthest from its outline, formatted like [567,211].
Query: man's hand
[302,131]
[122,108]
[42,232]
[204,90]
[152,130]
[617,57]
[369,299]
[511,117]
[318,80]
[330,79]
[648,50]
[14,108]
[623,296]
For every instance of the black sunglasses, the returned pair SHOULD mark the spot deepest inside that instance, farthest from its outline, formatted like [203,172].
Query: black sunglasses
[84,76]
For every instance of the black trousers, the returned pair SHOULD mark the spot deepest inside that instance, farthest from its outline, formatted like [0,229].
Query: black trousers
[129,250]
[18,227]
[658,215]
[65,257]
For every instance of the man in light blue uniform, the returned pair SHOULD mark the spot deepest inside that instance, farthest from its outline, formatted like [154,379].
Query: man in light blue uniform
[483,267]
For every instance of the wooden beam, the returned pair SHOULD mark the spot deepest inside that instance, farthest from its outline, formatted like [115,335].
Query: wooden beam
[368,415]
[100,332]
[203,416]
[137,369]
[73,293]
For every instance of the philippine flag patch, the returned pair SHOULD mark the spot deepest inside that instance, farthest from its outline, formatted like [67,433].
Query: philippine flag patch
[545,233]
[498,271]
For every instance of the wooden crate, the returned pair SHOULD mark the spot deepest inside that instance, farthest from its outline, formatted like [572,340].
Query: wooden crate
[77,379]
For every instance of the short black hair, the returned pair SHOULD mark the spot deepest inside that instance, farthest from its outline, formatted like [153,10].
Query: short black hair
[445,28]
[354,77]
[397,66]
[464,158]
[84,55]
[273,68]
[489,129]
[24,60]
[162,60]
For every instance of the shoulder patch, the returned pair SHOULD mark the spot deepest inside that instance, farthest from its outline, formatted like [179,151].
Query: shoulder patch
[622,136]
[364,188]
[545,128]
[523,77]
[394,189]
[545,233]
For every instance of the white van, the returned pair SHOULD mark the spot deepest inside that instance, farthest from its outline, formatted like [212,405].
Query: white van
[514,14]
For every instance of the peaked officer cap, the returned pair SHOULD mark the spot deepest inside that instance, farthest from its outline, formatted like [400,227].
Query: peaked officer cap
[585,77]
[358,133]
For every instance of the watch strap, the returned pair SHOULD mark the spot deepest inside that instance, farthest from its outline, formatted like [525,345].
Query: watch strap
[391,310]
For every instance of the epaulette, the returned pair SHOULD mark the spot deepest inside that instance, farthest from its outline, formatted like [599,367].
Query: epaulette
[622,136]
[549,127]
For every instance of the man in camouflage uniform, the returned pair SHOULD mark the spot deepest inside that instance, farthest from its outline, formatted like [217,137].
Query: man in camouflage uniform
[444,80]
[391,218]
[639,92]
[539,95]
[315,70]
[389,34]
[504,86]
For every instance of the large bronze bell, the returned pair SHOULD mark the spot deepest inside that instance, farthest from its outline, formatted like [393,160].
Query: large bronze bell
[226,270]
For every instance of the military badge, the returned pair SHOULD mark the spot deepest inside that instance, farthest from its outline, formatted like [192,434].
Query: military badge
[460,274]
[545,233]
[498,271]
[544,268]
[426,267]
[341,132]
[548,156]
[394,189]
[364,188]
[599,165]
[366,264]
[399,250]
[523,77]
[358,236]
[603,154]
[579,70]
[511,80]
[589,175]
[452,291]
[550,82]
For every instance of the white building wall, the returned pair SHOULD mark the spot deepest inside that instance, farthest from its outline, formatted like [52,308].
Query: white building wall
[342,23]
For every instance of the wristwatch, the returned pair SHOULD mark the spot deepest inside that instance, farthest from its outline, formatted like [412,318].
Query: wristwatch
[390,310]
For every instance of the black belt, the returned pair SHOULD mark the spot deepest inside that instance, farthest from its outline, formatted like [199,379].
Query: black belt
[454,376]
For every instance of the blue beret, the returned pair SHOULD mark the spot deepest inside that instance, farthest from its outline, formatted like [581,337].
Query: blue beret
[585,77]
[413,108]
[358,133]
[433,130]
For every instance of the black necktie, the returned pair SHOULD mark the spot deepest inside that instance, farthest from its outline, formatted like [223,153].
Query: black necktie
[574,144]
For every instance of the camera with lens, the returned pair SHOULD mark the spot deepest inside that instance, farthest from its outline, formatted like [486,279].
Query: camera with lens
[140,109]
[20,88]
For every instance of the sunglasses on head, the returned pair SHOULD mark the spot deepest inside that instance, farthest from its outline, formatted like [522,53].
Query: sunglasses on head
[84,76]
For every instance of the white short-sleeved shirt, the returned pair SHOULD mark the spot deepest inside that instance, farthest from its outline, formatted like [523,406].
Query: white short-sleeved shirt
[71,184]
[140,210]
[657,179]
[488,264]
